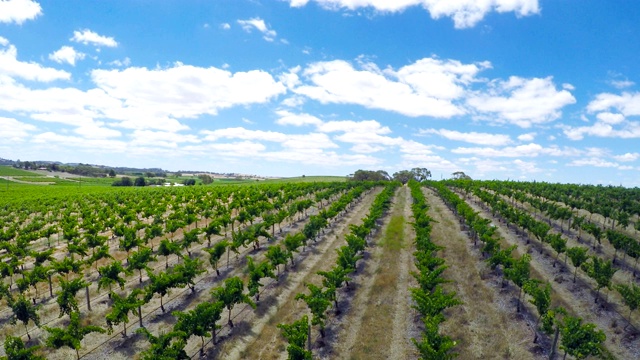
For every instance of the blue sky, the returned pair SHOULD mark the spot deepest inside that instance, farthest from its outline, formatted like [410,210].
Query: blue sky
[500,89]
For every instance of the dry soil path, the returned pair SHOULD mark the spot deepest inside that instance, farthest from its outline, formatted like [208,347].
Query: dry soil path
[485,325]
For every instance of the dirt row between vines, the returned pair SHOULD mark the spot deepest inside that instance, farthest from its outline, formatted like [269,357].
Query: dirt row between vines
[486,325]
[577,298]
[375,303]
[379,321]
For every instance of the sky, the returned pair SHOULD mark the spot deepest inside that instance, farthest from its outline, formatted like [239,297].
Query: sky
[543,90]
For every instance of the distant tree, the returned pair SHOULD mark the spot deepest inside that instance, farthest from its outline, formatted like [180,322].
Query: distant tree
[206,179]
[369,175]
[112,173]
[149,174]
[189,182]
[140,181]
[124,181]
[459,175]
[421,174]
[403,176]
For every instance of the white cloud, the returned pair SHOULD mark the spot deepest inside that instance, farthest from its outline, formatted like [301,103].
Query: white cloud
[185,91]
[12,130]
[4,41]
[527,167]
[611,112]
[621,84]
[470,137]
[259,24]
[290,141]
[528,137]
[92,146]
[66,54]
[628,157]
[92,130]
[596,162]
[18,11]
[627,103]
[628,130]
[136,98]
[610,118]
[427,87]
[465,13]
[165,139]
[527,150]
[87,37]
[124,62]
[522,102]
[288,118]
[11,66]
[225,26]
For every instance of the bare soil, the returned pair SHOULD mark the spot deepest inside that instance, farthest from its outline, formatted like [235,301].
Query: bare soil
[379,321]
[486,326]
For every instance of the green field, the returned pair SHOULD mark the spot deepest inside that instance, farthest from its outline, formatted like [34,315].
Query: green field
[11,191]
[11,171]
[307,179]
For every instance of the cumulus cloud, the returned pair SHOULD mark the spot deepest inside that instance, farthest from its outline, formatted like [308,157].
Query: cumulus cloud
[465,13]
[628,157]
[133,98]
[18,11]
[124,62]
[627,103]
[596,162]
[526,150]
[427,87]
[68,141]
[522,102]
[165,139]
[96,130]
[528,137]
[87,37]
[612,112]
[289,118]
[12,67]
[66,54]
[470,137]
[621,84]
[628,130]
[12,130]
[185,91]
[258,24]
[225,26]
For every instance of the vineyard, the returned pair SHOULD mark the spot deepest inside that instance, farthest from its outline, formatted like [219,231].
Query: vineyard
[306,270]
